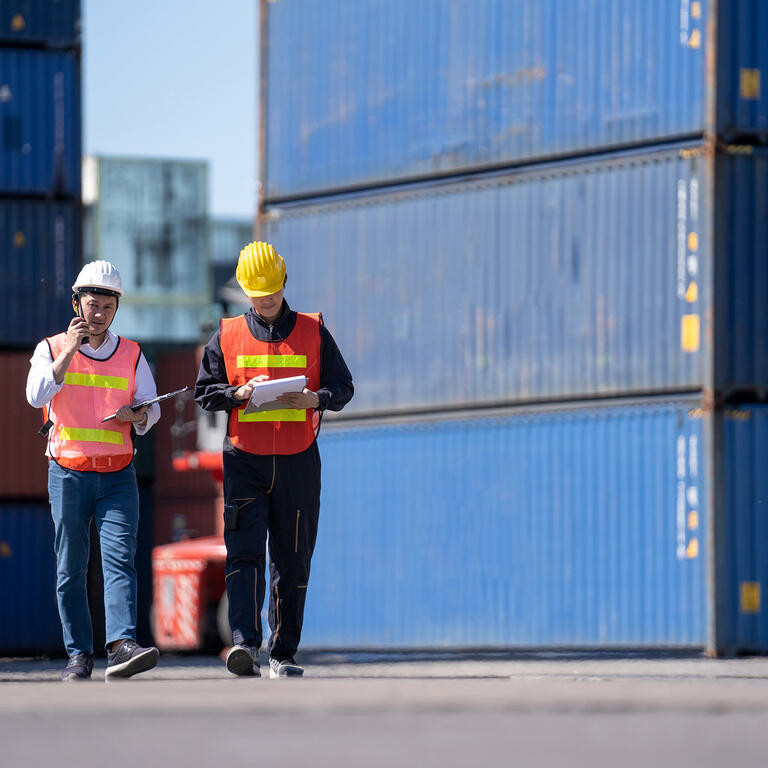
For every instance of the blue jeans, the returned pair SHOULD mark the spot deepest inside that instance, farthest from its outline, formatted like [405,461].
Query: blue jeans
[112,499]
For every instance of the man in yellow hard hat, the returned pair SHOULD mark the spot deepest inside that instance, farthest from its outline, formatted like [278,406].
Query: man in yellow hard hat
[271,460]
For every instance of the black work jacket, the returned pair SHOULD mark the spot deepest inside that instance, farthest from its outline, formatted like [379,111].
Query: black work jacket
[213,392]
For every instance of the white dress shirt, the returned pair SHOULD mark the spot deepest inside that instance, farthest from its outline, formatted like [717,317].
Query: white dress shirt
[42,387]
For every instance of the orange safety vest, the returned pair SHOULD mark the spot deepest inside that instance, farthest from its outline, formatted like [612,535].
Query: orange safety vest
[284,431]
[92,390]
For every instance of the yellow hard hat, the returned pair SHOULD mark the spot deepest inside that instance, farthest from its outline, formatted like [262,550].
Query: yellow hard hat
[260,269]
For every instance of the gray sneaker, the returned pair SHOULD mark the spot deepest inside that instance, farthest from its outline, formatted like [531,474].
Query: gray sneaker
[129,659]
[284,668]
[79,667]
[243,660]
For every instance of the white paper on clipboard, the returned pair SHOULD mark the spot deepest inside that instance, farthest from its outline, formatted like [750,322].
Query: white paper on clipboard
[265,393]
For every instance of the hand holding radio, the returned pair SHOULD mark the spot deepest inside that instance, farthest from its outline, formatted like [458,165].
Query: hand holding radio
[77,333]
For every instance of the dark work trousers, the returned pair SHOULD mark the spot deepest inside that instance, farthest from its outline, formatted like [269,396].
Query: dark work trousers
[279,495]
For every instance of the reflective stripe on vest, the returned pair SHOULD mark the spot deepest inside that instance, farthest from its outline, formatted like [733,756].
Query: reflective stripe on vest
[284,430]
[94,380]
[271,361]
[289,414]
[93,389]
[68,434]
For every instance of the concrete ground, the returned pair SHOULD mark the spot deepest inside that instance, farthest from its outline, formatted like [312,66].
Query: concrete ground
[437,709]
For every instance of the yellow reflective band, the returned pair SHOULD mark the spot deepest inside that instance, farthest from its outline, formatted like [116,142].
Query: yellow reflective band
[94,380]
[271,361]
[286,414]
[91,435]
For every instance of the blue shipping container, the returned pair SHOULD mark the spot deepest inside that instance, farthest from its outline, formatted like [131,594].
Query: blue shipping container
[565,281]
[50,23]
[375,92]
[40,258]
[741,271]
[41,124]
[742,68]
[572,527]
[29,618]
[741,531]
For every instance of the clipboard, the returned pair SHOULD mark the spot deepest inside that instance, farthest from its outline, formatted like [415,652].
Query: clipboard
[158,399]
[265,393]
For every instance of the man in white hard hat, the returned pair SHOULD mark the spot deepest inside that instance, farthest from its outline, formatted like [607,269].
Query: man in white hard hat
[79,377]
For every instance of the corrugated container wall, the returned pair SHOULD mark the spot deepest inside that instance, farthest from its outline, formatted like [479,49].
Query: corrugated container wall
[741,531]
[742,63]
[149,217]
[187,504]
[571,280]
[174,433]
[381,91]
[40,115]
[376,92]
[40,256]
[23,467]
[741,272]
[29,618]
[579,527]
[49,23]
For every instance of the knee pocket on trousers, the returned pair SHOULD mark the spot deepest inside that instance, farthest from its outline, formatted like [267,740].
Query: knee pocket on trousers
[232,511]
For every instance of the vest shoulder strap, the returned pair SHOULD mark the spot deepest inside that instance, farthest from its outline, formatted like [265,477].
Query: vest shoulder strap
[316,316]
[56,344]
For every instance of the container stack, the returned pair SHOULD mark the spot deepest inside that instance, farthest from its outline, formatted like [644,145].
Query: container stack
[149,217]
[536,229]
[188,503]
[40,148]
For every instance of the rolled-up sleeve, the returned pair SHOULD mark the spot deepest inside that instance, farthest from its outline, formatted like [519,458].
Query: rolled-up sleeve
[146,389]
[41,386]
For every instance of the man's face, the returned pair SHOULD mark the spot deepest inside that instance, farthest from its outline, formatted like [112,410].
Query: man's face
[268,306]
[98,311]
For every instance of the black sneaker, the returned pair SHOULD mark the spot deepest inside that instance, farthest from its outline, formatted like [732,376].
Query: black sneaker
[284,668]
[79,667]
[130,659]
[243,660]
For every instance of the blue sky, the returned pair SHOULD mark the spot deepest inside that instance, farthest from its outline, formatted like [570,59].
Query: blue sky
[175,78]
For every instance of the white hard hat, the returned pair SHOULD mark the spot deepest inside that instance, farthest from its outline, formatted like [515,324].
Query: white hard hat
[101,276]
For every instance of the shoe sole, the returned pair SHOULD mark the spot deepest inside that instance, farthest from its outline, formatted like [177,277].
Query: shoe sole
[285,673]
[75,678]
[134,666]
[241,663]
